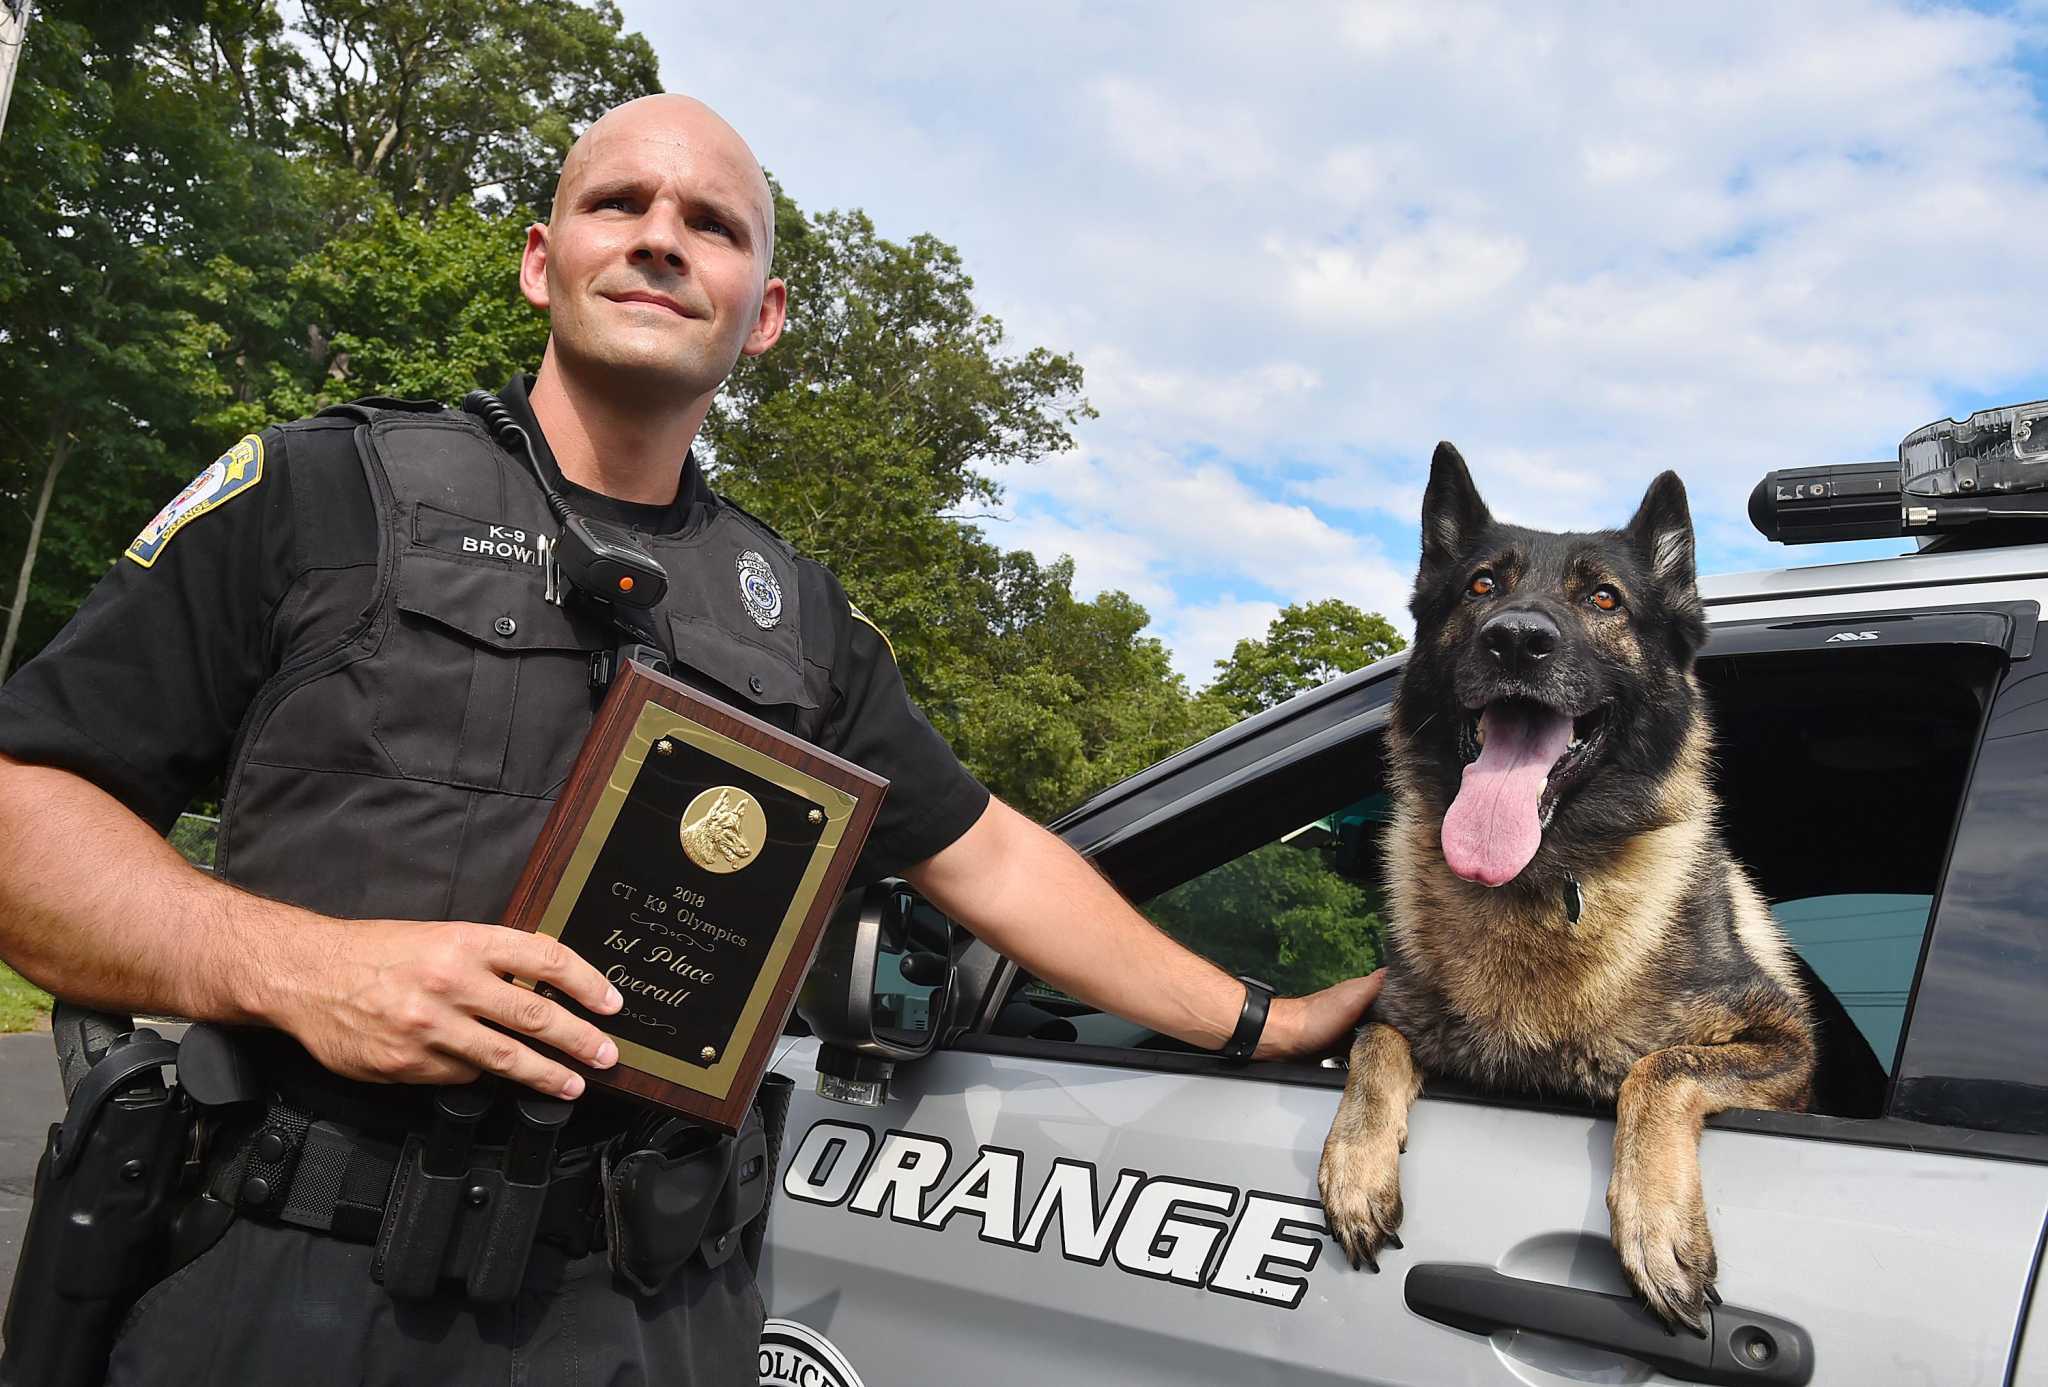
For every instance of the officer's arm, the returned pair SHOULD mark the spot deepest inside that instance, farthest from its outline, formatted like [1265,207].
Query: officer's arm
[1032,897]
[97,908]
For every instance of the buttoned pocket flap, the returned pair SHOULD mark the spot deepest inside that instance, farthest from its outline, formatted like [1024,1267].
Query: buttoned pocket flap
[491,603]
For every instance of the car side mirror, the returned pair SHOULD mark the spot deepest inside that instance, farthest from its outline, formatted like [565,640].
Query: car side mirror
[877,990]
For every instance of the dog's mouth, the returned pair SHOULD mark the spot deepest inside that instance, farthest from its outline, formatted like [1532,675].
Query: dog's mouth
[1520,755]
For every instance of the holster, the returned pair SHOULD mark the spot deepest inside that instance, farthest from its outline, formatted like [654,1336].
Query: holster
[104,1202]
[694,1194]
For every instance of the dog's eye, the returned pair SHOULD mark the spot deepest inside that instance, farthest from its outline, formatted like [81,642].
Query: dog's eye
[1480,586]
[1606,599]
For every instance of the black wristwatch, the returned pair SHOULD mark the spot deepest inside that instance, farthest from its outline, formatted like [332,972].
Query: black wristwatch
[1251,1022]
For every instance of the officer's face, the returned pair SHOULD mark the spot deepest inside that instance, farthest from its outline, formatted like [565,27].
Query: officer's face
[651,268]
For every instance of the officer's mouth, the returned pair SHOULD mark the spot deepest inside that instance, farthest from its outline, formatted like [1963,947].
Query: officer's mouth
[652,301]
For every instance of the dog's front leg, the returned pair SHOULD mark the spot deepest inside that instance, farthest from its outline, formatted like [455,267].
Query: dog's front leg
[1654,1201]
[1360,1174]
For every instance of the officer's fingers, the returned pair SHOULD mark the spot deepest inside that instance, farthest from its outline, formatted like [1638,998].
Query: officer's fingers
[501,1054]
[532,1014]
[537,958]
[1360,993]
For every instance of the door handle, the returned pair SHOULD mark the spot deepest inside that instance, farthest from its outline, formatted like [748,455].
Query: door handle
[1741,1345]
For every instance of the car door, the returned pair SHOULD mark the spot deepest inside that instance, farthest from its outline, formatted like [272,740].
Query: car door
[1059,1196]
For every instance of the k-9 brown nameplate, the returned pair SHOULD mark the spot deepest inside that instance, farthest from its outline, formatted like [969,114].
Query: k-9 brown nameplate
[692,858]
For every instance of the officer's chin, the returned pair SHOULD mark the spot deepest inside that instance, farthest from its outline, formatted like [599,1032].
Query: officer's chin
[663,368]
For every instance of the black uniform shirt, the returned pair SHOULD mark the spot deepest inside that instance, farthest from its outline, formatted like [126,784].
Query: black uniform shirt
[144,691]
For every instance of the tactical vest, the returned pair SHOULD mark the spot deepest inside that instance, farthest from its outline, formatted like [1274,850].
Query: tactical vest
[406,774]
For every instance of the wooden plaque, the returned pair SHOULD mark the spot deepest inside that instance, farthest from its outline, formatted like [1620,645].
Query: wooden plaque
[692,858]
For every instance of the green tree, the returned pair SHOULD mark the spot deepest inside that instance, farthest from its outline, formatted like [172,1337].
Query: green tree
[1281,913]
[1307,645]
[437,101]
[397,306]
[119,187]
[1050,698]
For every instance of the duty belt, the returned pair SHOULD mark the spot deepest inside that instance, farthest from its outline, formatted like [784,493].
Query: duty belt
[309,1173]
[441,1207]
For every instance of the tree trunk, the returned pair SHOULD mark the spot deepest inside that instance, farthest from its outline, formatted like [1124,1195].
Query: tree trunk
[58,456]
[13,35]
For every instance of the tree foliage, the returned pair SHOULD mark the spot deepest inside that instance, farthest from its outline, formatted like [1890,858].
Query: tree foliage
[119,192]
[1307,645]
[1281,913]
[439,100]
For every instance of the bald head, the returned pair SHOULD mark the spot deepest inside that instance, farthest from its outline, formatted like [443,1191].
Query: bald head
[685,126]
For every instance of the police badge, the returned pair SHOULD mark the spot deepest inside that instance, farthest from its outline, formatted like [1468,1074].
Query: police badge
[759,589]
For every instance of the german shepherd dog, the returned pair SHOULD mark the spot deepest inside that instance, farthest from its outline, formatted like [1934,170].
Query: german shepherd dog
[1563,916]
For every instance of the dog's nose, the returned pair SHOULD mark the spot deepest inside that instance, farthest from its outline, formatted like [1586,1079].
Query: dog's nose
[1519,641]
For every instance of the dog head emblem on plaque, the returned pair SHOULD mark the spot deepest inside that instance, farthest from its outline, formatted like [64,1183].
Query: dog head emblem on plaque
[723,828]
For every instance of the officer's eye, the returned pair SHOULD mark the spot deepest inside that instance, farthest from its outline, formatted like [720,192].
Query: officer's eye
[716,227]
[1606,599]
[1482,585]
[618,200]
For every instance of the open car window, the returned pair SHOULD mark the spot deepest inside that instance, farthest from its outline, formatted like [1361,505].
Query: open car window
[1841,772]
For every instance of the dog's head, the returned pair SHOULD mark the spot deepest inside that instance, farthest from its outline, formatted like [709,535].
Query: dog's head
[1549,696]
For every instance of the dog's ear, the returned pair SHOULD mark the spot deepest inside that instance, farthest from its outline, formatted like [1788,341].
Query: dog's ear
[1452,512]
[1662,533]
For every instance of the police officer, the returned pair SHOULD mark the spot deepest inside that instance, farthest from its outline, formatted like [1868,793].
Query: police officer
[349,615]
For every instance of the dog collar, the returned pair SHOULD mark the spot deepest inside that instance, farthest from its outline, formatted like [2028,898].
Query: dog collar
[1574,904]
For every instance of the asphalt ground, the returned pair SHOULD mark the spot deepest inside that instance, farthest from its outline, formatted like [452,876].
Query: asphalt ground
[30,1100]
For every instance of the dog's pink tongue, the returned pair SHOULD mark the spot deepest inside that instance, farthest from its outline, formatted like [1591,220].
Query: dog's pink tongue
[1491,830]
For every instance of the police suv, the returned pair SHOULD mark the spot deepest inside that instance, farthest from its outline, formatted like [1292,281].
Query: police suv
[984,1181]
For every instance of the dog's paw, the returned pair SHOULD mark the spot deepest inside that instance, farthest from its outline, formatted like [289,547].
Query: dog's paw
[1666,1249]
[1360,1180]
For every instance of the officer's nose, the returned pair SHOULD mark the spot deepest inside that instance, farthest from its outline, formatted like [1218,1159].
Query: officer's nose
[660,248]
[1519,641]
[659,236]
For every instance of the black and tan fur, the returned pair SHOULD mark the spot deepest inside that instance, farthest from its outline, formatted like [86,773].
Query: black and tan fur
[1673,996]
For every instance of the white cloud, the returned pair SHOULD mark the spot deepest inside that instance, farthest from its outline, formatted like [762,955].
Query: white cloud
[1210,145]
[1159,527]
[1124,388]
[1586,244]
[1418,277]
[1203,634]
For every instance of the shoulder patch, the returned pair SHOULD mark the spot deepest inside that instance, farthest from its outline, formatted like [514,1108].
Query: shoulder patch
[232,473]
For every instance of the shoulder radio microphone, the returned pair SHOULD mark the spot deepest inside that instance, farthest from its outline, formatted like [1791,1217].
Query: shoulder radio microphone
[599,560]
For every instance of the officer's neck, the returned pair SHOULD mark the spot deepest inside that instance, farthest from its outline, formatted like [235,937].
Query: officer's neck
[615,447]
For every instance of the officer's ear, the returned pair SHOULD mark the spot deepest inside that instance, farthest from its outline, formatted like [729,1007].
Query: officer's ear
[533,266]
[768,319]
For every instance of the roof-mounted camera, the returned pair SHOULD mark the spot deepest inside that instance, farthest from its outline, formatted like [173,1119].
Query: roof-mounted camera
[1950,474]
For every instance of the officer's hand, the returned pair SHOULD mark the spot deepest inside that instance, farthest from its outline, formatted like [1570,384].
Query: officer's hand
[1320,1022]
[400,1001]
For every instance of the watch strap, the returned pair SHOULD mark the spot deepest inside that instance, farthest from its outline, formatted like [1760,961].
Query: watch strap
[1251,1022]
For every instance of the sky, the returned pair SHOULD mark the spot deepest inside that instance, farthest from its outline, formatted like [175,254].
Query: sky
[1294,245]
